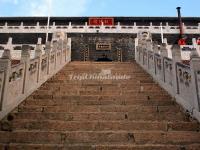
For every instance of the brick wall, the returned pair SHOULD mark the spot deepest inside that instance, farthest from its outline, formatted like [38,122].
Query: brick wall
[126,45]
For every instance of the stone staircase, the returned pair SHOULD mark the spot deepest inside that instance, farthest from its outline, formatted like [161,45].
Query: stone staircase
[110,114]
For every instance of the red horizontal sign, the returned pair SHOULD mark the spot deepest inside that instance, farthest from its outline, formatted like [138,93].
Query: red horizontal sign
[100,21]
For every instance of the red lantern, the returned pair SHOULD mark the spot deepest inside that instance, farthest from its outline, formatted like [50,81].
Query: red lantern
[198,41]
[181,42]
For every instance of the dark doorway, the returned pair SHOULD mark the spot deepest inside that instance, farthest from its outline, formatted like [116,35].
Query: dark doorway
[104,58]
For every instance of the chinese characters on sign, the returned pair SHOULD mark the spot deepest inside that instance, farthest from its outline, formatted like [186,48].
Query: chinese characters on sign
[103,46]
[100,21]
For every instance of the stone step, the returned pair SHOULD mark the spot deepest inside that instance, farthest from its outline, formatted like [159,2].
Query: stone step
[94,114]
[102,97]
[52,94]
[97,101]
[102,116]
[108,146]
[135,86]
[58,125]
[138,109]
[140,95]
[102,137]
[146,89]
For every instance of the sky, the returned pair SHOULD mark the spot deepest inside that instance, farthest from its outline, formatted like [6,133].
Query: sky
[190,8]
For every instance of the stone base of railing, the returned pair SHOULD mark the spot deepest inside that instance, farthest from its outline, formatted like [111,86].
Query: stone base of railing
[19,81]
[180,80]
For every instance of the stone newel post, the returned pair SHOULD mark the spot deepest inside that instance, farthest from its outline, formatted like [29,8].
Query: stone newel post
[48,53]
[163,54]
[176,57]
[163,50]
[5,66]
[38,54]
[155,47]
[65,47]
[25,58]
[195,79]
[149,48]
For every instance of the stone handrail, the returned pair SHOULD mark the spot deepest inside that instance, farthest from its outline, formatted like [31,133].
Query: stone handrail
[69,28]
[179,80]
[19,81]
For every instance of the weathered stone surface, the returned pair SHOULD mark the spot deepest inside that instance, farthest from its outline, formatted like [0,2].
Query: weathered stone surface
[99,115]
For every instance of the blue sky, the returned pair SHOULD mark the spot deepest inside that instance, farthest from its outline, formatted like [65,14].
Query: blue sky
[99,7]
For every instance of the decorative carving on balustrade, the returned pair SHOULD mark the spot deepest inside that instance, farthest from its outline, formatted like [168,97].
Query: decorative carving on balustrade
[16,75]
[58,53]
[140,53]
[198,82]
[1,87]
[158,61]
[44,63]
[184,74]
[151,59]
[33,67]
[52,58]
[168,72]
[144,57]
[168,64]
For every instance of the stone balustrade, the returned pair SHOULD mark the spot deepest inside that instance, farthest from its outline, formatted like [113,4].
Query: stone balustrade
[69,28]
[181,80]
[15,49]
[18,81]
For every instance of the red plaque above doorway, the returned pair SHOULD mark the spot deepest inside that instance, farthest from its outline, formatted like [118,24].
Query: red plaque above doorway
[99,21]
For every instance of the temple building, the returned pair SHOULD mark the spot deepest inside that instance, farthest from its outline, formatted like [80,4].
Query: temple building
[100,83]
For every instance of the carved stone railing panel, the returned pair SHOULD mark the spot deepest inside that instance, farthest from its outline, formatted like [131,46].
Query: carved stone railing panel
[58,58]
[145,58]
[158,66]
[52,61]
[184,82]
[33,73]
[168,72]
[197,76]
[180,80]
[92,29]
[44,67]
[151,63]
[19,81]
[140,53]
[15,84]
[1,87]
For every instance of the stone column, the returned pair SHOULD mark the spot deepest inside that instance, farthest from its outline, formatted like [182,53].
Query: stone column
[155,47]
[70,25]
[163,53]
[65,47]
[25,58]
[136,50]
[167,26]
[48,53]
[54,25]
[5,66]
[195,79]
[149,48]
[176,57]
[6,25]
[69,45]
[151,24]
[194,43]
[163,50]
[9,45]
[38,54]
[22,25]
[38,25]
[119,26]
